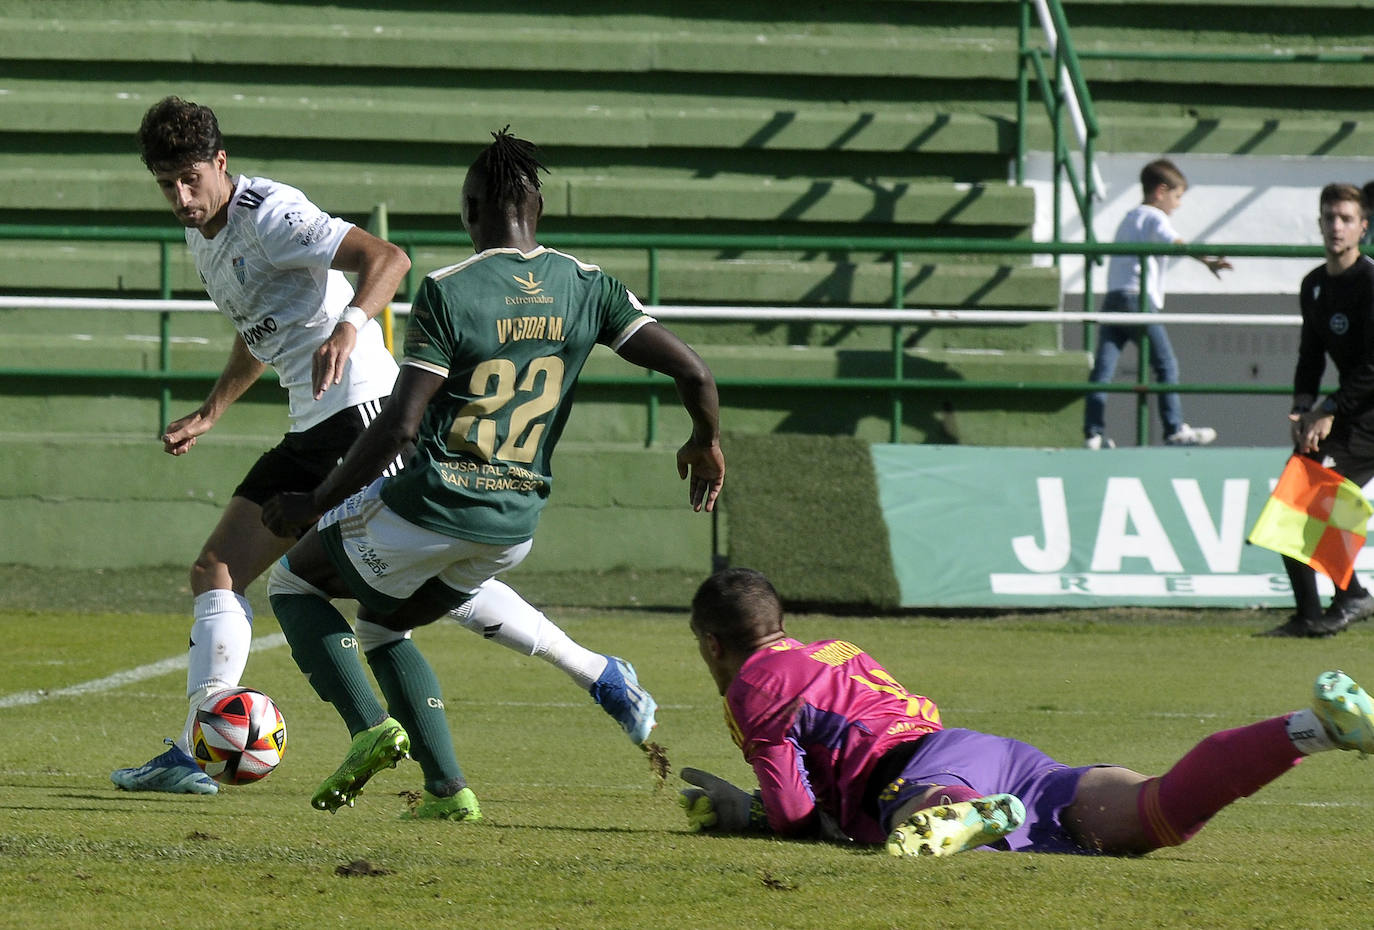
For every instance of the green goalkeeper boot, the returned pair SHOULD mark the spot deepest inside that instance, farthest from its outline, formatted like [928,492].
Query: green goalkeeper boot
[373,749]
[952,828]
[1345,709]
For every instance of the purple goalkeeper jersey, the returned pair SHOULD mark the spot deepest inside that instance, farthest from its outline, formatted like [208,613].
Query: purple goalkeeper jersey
[813,719]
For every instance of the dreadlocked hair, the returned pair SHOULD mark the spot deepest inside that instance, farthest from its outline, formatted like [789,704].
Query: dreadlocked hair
[511,167]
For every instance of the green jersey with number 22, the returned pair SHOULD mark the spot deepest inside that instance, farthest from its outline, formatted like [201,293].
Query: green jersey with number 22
[509,332]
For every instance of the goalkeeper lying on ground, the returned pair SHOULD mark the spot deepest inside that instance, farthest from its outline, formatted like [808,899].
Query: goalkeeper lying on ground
[842,751]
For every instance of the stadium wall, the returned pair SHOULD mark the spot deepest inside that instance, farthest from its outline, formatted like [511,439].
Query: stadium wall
[102,503]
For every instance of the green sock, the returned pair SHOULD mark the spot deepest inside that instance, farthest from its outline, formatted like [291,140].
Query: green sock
[412,692]
[324,647]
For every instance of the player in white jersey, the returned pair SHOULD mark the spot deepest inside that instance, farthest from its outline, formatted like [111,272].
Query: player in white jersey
[272,270]
[274,263]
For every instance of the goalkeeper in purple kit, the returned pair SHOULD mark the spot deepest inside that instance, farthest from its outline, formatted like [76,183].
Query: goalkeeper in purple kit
[844,752]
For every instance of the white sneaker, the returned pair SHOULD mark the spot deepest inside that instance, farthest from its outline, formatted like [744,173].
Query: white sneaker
[1098,441]
[1192,436]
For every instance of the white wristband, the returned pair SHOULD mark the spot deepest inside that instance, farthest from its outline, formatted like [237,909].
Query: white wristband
[355,315]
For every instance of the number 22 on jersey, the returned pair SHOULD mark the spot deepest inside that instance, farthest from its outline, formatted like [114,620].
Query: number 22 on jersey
[477,428]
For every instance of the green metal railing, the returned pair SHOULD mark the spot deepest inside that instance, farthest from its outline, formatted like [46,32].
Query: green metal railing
[894,387]
[1064,94]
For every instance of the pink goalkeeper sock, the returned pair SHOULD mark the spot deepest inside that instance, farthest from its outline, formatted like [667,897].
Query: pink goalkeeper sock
[1223,768]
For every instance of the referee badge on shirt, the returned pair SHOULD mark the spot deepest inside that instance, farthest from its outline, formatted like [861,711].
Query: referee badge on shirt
[240,270]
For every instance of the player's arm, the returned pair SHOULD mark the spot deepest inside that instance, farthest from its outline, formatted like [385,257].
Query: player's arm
[787,797]
[397,424]
[240,373]
[380,266]
[654,346]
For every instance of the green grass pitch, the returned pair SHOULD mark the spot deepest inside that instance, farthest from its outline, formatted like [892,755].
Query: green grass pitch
[578,831]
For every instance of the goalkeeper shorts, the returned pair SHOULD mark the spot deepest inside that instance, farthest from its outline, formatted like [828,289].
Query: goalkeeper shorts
[995,765]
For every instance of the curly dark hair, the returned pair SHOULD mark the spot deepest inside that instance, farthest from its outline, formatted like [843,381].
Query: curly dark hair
[176,133]
[510,167]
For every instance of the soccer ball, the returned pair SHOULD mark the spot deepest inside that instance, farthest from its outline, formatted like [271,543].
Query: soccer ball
[238,737]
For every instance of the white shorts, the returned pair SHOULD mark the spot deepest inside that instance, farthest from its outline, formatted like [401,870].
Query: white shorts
[384,558]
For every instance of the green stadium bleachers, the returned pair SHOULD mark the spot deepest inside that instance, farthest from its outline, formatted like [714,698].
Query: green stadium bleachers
[884,117]
[711,119]
[874,117]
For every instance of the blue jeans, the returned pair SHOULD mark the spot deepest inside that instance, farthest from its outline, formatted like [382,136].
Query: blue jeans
[1111,339]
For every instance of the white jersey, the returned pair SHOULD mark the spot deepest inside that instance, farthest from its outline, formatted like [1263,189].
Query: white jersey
[1145,223]
[268,271]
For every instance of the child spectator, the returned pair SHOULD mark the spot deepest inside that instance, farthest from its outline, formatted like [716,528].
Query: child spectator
[1163,186]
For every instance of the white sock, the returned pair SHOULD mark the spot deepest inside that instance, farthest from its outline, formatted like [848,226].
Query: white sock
[1308,734]
[221,636]
[497,613]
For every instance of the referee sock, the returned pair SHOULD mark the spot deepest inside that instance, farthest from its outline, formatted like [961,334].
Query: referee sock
[496,612]
[1223,768]
[326,650]
[412,693]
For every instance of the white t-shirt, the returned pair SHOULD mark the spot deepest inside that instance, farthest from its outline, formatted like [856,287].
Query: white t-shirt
[268,271]
[1143,224]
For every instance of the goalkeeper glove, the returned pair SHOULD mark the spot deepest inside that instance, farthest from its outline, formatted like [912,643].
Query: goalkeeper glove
[716,805]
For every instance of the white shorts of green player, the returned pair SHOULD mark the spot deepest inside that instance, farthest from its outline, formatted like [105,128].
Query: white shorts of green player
[384,558]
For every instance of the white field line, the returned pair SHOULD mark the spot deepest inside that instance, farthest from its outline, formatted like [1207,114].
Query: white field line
[119,679]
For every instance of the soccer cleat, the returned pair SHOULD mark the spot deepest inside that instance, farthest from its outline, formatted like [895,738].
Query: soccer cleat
[1346,711]
[461,806]
[373,749]
[1192,436]
[1300,627]
[174,772]
[620,694]
[1347,610]
[952,828]
[1097,441]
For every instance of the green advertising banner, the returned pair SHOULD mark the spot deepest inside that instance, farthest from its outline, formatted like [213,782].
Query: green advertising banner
[996,527]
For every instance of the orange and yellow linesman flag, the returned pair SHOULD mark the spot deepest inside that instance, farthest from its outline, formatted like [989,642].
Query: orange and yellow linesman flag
[1315,516]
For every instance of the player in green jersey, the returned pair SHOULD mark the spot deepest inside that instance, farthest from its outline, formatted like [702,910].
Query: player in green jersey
[493,349]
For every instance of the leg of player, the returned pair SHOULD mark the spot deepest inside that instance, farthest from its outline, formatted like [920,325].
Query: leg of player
[238,550]
[413,695]
[326,650]
[498,613]
[1121,812]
